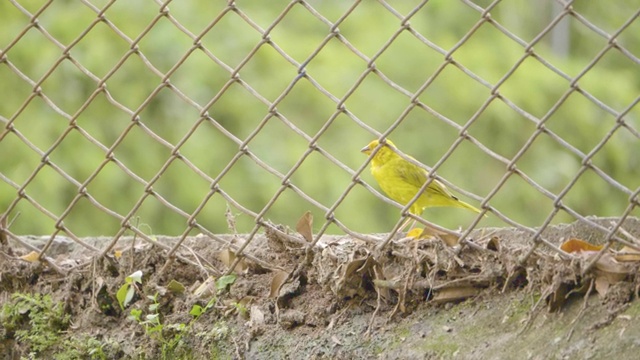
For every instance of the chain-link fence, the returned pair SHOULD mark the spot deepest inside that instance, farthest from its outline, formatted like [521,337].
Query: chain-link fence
[194,117]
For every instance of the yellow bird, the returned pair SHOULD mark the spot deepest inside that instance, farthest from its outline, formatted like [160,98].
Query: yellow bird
[401,180]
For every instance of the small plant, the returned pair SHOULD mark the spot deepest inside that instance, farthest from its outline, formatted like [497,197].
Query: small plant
[85,347]
[151,323]
[126,291]
[154,328]
[197,310]
[170,336]
[35,321]
[224,282]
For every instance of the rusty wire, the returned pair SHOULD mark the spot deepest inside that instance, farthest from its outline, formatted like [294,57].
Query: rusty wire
[273,114]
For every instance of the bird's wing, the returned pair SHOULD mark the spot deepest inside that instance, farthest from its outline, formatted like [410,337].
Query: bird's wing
[410,173]
[417,176]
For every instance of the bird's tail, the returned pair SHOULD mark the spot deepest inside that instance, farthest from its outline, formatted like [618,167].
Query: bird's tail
[464,205]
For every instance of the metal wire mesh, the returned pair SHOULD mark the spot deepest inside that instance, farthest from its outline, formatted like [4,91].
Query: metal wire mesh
[106,121]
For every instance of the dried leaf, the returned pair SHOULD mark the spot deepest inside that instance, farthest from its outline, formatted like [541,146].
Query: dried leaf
[276,283]
[450,240]
[246,300]
[607,266]
[429,231]
[349,282]
[602,285]
[228,257]
[577,245]
[305,226]
[354,266]
[559,296]
[454,294]
[175,287]
[242,306]
[494,244]
[33,256]
[628,254]
[257,316]
[207,289]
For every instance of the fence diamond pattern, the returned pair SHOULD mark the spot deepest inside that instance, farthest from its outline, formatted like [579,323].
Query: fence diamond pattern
[81,119]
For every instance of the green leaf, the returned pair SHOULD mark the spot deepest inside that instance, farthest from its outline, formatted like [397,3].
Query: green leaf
[135,314]
[225,281]
[129,296]
[154,329]
[154,307]
[196,310]
[210,304]
[178,326]
[122,295]
[135,277]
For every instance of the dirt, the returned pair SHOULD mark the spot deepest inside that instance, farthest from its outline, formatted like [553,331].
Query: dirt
[342,299]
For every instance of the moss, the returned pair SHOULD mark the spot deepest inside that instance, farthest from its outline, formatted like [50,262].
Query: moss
[35,321]
[633,309]
[442,345]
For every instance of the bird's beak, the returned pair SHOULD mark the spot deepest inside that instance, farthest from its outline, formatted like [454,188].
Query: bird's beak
[366,150]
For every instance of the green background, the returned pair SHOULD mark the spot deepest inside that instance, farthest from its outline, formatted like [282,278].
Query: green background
[371,101]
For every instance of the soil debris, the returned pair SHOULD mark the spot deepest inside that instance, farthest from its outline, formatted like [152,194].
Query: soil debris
[339,297]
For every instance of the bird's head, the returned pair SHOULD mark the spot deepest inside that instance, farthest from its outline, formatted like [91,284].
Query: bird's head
[384,154]
[372,145]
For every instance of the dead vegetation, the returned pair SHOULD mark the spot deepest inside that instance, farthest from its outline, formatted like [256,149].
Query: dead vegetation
[186,308]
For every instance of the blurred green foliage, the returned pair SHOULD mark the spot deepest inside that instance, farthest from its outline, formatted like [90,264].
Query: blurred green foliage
[201,79]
